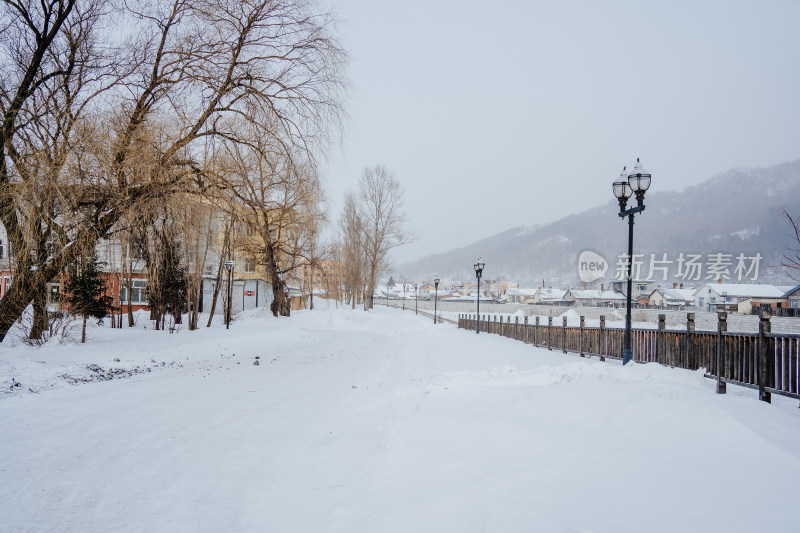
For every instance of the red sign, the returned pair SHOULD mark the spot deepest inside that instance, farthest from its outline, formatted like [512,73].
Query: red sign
[249,293]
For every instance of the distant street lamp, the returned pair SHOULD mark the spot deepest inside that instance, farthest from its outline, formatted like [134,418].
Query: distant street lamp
[229,267]
[724,300]
[435,297]
[637,182]
[387,294]
[404,296]
[478,273]
[416,300]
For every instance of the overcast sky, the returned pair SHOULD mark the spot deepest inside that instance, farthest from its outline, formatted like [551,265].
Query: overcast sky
[501,114]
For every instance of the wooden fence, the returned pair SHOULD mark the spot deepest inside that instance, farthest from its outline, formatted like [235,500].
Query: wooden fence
[765,361]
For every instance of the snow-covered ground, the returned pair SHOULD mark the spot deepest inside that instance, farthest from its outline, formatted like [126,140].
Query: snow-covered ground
[377,422]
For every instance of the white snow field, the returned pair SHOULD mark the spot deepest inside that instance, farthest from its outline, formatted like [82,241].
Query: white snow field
[378,422]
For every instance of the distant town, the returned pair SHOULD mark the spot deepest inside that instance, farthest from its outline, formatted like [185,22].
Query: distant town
[742,298]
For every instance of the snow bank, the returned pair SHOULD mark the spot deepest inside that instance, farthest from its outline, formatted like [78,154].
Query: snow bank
[380,421]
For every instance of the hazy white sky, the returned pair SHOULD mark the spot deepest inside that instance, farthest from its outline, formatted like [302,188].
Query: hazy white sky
[495,115]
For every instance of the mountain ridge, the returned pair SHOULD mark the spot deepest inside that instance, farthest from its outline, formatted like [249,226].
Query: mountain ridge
[734,212]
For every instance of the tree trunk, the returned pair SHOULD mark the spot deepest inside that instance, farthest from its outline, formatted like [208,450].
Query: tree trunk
[83,331]
[225,245]
[129,282]
[281,303]
[217,286]
[40,319]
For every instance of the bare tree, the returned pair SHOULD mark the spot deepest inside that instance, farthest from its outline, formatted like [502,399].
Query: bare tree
[381,202]
[280,197]
[349,249]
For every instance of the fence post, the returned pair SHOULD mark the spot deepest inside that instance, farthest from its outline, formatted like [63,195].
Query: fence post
[549,334]
[536,331]
[766,361]
[722,327]
[526,336]
[564,334]
[690,363]
[661,352]
[580,339]
[508,327]
[602,342]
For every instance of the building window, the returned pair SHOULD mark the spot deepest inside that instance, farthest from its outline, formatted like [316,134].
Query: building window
[249,265]
[209,270]
[138,292]
[52,293]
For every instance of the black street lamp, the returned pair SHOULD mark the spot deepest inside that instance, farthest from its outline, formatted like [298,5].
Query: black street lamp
[478,273]
[229,267]
[637,182]
[416,300]
[435,298]
[404,296]
[387,294]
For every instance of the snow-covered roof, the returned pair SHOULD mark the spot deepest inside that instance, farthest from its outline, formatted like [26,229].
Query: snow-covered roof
[686,295]
[741,290]
[551,294]
[520,292]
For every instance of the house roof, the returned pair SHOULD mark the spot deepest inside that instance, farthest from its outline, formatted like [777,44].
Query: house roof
[742,290]
[788,292]
[551,294]
[686,295]
[520,292]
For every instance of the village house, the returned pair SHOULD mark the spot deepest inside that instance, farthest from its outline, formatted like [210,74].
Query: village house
[519,296]
[549,296]
[640,288]
[728,296]
[674,298]
[793,297]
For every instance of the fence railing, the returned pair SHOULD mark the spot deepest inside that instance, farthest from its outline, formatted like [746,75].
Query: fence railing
[766,361]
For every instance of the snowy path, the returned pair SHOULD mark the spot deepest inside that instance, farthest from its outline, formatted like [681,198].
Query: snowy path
[378,422]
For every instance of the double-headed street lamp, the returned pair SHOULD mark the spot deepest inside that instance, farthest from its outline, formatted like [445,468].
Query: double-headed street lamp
[229,267]
[478,273]
[637,182]
[435,298]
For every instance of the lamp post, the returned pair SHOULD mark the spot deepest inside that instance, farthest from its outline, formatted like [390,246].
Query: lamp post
[229,267]
[435,297]
[404,296]
[416,300]
[387,294]
[478,272]
[637,182]
[724,300]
